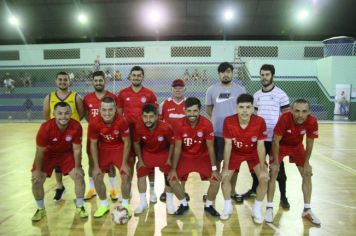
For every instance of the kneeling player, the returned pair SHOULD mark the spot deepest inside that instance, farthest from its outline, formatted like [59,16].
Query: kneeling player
[59,143]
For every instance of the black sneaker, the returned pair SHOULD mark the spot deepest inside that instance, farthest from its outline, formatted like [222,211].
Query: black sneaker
[181,210]
[249,194]
[187,197]
[284,203]
[211,210]
[205,196]
[238,198]
[163,197]
[59,194]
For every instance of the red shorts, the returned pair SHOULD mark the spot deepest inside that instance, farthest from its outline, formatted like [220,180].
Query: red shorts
[186,165]
[152,160]
[296,154]
[236,160]
[65,161]
[111,156]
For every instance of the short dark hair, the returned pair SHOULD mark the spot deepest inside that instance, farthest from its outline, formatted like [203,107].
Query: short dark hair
[136,68]
[108,100]
[224,66]
[98,73]
[245,97]
[62,73]
[301,100]
[191,101]
[269,68]
[61,104]
[149,107]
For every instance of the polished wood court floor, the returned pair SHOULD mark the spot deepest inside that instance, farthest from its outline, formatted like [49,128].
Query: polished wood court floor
[333,200]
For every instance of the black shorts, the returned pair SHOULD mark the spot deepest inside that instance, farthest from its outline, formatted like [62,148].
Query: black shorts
[219,144]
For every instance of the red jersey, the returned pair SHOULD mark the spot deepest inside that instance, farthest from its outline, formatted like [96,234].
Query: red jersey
[157,141]
[109,136]
[171,111]
[292,134]
[244,141]
[56,141]
[194,139]
[132,102]
[92,103]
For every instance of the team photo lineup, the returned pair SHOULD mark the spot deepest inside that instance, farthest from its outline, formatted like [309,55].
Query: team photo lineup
[130,134]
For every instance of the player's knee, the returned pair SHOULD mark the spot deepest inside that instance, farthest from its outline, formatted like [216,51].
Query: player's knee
[263,180]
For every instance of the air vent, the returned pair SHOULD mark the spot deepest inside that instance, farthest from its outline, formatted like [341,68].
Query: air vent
[125,52]
[190,51]
[9,55]
[317,52]
[258,51]
[51,54]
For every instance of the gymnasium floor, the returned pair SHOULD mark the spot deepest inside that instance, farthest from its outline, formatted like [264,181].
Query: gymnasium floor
[333,199]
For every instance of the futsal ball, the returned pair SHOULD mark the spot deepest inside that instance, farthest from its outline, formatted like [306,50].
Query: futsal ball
[10,117]
[119,215]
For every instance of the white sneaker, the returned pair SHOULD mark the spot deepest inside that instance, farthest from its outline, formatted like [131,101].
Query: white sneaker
[153,197]
[308,214]
[257,215]
[225,214]
[141,208]
[170,209]
[269,215]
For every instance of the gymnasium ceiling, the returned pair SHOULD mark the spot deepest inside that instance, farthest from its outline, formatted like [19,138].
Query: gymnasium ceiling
[55,21]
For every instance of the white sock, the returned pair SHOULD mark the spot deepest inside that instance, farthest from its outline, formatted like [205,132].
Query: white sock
[307,206]
[112,181]
[169,198]
[228,204]
[152,186]
[105,202]
[143,199]
[184,202]
[79,201]
[269,204]
[91,183]
[208,203]
[40,204]
[125,202]
[258,205]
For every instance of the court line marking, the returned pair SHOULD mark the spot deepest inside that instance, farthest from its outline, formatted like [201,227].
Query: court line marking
[8,173]
[337,204]
[336,163]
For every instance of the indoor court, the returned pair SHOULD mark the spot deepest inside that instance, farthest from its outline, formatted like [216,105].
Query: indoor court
[333,199]
[309,44]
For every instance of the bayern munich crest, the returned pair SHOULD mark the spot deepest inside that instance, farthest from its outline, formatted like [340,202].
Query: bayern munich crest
[160,138]
[200,134]
[68,138]
[116,132]
[143,99]
[254,139]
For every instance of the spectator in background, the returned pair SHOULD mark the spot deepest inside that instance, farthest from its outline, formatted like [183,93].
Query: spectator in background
[28,105]
[186,76]
[343,103]
[117,76]
[97,63]
[9,83]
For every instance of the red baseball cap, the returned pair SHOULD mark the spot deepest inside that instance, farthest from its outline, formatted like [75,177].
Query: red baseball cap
[178,82]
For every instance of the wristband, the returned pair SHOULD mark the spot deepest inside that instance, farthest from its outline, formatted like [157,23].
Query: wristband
[214,168]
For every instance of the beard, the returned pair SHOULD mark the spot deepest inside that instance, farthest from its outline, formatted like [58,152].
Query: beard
[266,83]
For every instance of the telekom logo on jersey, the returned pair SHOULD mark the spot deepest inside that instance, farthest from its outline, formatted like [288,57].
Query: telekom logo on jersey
[95,112]
[237,143]
[188,141]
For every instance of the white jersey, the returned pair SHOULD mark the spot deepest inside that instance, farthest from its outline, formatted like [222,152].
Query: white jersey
[269,105]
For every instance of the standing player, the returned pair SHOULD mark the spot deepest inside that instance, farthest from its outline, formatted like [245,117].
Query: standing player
[194,152]
[130,102]
[109,145]
[171,110]
[220,102]
[154,145]
[244,135]
[269,103]
[288,141]
[91,104]
[59,143]
[62,94]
